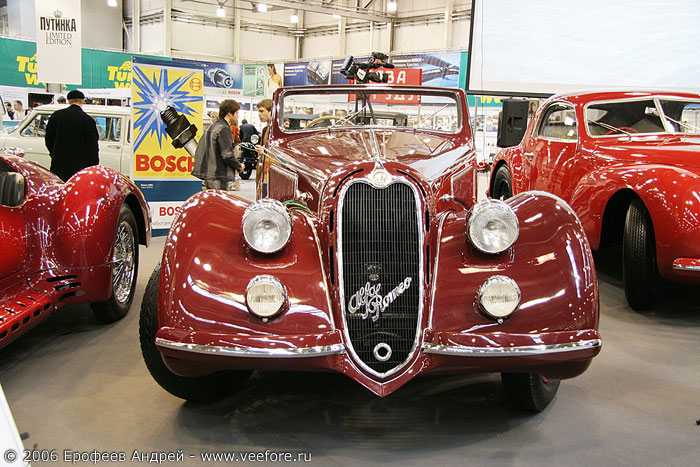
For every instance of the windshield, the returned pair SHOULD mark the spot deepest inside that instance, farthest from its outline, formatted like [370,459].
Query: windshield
[642,116]
[306,109]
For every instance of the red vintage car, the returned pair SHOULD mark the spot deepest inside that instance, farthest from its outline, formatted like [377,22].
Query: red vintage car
[66,243]
[628,163]
[371,256]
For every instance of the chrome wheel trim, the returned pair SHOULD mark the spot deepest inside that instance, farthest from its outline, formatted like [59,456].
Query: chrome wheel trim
[123,262]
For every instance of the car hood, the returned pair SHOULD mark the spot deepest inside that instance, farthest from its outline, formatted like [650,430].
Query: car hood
[675,150]
[322,154]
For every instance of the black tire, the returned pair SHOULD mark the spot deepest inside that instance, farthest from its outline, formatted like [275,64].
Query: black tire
[246,172]
[639,270]
[502,186]
[125,269]
[529,391]
[199,388]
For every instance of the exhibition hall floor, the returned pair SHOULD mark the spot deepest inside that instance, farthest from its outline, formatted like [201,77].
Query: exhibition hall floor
[75,384]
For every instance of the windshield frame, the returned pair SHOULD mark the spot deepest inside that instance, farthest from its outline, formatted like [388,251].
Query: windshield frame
[374,89]
[656,98]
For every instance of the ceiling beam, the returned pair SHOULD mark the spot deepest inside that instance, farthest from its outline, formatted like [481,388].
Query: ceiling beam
[318,7]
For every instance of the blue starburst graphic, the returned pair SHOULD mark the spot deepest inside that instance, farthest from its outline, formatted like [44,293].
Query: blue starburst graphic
[157,95]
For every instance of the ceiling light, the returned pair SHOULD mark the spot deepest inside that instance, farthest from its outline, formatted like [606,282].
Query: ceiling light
[220,12]
[112,3]
[391,6]
[336,16]
[294,19]
[262,8]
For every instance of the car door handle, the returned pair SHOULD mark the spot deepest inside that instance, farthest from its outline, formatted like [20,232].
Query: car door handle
[529,155]
[114,146]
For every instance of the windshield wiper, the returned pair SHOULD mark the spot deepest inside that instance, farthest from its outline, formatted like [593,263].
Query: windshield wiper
[610,127]
[431,115]
[348,117]
[684,125]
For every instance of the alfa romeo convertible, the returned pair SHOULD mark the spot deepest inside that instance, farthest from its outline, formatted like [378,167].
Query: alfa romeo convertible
[368,253]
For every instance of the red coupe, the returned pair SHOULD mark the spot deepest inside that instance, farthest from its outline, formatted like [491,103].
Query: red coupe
[628,163]
[371,256]
[66,243]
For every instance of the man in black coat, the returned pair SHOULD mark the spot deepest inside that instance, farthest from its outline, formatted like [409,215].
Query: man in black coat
[247,130]
[71,138]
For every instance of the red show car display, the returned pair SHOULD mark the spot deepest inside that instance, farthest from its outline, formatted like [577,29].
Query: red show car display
[371,256]
[628,163]
[66,243]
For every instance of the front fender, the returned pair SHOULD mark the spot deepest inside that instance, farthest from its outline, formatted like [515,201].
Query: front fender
[550,261]
[86,215]
[207,266]
[670,194]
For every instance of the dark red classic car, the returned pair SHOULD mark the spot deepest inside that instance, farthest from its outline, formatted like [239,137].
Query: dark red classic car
[628,163]
[66,243]
[371,256]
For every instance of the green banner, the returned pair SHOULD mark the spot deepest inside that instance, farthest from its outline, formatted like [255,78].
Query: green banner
[101,69]
[18,63]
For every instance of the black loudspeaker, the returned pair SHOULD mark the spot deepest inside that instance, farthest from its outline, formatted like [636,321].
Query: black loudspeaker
[512,122]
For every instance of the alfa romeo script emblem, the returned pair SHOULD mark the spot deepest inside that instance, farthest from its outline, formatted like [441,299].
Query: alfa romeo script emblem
[369,302]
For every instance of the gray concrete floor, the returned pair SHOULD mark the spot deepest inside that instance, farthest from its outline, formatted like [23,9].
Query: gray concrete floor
[74,384]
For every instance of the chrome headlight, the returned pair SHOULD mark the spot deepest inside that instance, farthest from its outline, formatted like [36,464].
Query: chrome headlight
[492,226]
[267,226]
[265,296]
[499,296]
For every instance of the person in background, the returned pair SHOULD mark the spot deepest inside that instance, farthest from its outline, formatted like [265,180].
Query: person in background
[60,100]
[71,138]
[214,161]
[20,113]
[214,116]
[10,112]
[247,130]
[287,123]
[265,114]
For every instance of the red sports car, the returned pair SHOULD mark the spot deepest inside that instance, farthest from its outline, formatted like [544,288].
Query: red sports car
[66,243]
[628,163]
[372,257]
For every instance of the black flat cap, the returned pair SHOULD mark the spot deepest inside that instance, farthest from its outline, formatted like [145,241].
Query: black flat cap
[75,94]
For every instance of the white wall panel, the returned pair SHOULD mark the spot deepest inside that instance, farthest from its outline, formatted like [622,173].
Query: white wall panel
[419,37]
[102,25]
[206,40]
[263,47]
[153,38]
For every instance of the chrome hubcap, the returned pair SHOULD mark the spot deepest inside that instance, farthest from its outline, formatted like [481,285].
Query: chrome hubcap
[123,262]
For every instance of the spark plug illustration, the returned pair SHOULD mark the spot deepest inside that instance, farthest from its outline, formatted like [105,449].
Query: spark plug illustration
[220,77]
[180,130]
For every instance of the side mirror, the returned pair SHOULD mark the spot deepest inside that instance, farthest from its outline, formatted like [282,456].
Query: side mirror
[512,122]
[254,139]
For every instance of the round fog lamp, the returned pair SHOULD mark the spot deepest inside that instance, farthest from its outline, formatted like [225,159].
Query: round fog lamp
[265,296]
[267,226]
[493,226]
[499,296]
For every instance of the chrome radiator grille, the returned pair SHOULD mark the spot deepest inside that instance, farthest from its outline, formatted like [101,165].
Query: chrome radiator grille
[380,253]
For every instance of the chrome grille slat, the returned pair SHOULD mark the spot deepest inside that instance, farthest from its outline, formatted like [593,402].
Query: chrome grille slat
[380,228]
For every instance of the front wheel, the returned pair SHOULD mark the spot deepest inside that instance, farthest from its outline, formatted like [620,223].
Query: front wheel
[197,388]
[247,170]
[502,187]
[125,267]
[639,271]
[529,391]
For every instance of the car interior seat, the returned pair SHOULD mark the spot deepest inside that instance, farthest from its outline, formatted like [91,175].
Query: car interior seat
[11,188]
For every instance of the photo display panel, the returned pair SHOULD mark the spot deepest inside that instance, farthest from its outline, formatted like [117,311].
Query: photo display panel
[551,46]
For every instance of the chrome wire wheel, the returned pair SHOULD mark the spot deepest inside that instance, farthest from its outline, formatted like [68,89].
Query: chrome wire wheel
[123,262]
